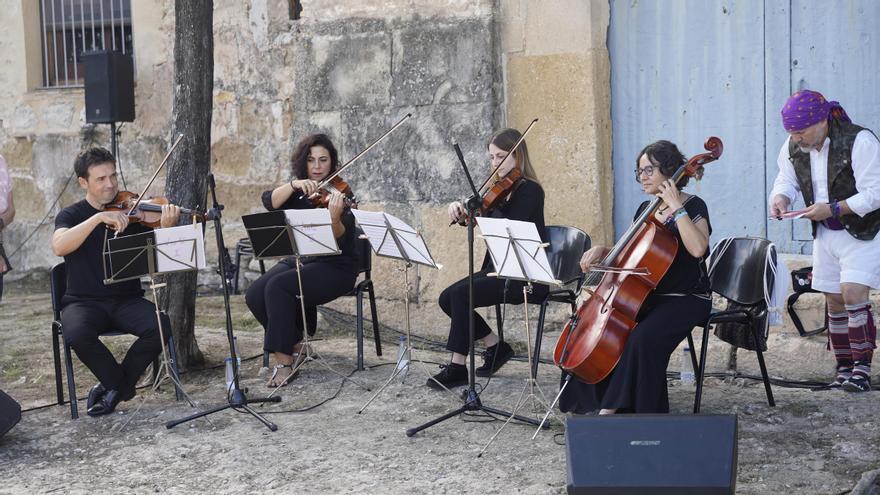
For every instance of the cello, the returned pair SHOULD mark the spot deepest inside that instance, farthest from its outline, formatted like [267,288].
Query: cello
[592,341]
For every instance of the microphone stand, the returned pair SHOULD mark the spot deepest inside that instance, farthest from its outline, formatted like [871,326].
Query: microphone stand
[472,398]
[236,398]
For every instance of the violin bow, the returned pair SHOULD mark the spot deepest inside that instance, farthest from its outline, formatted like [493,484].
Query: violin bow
[155,174]
[509,153]
[362,153]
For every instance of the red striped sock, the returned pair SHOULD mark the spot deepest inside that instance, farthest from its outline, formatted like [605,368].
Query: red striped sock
[862,332]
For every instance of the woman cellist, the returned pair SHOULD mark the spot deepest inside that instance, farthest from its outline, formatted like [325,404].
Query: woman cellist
[273,297]
[526,203]
[680,301]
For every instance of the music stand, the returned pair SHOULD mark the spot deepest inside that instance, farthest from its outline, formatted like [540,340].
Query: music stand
[472,400]
[148,254]
[236,398]
[391,237]
[296,233]
[518,253]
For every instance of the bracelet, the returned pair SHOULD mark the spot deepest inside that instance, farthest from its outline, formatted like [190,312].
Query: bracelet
[681,212]
[835,210]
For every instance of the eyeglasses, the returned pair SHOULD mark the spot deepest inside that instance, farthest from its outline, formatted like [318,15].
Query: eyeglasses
[648,171]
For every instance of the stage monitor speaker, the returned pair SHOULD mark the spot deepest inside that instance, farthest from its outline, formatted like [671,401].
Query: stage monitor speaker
[651,454]
[10,413]
[109,87]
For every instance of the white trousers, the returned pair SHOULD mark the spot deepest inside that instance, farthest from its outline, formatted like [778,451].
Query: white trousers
[839,257]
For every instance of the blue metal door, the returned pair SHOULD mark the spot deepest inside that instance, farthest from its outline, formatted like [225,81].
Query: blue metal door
[684,70]
[830,47]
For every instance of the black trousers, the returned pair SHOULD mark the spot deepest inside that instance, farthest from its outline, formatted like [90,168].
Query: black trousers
[274,299]
[84,320]
[488,291]
[638,382]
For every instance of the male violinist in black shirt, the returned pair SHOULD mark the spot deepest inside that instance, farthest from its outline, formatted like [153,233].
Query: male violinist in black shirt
[90,307]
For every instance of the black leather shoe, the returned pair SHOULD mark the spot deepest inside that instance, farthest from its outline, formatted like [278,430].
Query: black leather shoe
[451,375]
[95,394]
[494,358]
[106,405]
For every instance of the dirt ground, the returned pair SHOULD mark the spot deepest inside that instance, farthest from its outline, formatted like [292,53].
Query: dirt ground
[812,442]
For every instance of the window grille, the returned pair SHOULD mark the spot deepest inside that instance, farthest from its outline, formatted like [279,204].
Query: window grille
[70,28]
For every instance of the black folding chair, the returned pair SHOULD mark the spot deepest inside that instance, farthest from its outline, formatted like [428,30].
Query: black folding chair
[365,266]
[57,288]
[243,247]
[737,273]
[567,245]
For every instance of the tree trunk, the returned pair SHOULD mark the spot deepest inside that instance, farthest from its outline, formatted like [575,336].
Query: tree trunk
[189,165]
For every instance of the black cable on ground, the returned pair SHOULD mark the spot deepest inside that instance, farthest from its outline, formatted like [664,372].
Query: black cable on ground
[328,399]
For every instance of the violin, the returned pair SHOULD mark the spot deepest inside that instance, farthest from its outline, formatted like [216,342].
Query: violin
[321,197]
[150,209]
[499,191]
[333,182]
[495,195]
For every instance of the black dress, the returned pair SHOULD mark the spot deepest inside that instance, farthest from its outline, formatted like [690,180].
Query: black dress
[681,301]
[525,204]
[274,297]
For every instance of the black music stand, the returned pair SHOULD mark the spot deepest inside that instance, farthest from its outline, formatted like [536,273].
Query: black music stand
[295,233]
[149,254]
[472,400]
[236,398]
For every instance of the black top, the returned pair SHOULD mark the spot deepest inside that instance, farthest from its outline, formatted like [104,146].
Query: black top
[348,259]
[686,275]
[85,271]
[526,204]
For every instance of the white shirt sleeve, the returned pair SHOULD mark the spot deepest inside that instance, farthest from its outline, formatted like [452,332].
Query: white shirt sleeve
[786,182]
[5,185]
[866,168]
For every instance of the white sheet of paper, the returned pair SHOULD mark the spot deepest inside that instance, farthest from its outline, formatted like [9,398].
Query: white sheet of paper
[374,225]
[312,231]
[524,238]
[180,248]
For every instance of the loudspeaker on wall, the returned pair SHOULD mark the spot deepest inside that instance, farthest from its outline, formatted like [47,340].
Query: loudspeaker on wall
[109,87]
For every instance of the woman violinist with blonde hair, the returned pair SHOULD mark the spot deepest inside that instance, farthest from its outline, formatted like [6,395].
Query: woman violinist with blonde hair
[525,203]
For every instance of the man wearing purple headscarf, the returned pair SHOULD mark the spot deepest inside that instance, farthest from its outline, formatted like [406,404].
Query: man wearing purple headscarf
[835,165]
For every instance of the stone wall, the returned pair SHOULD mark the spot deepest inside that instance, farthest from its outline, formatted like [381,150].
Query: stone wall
[350,68]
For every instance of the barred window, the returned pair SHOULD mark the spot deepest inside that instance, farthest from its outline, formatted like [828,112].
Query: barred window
[70,28]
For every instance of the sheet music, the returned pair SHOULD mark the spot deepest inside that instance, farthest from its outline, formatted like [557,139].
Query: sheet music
[503,236]
[180,248]
[312,231]
[375,226]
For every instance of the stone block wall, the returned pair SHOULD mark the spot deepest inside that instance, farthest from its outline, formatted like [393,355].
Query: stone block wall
[350,68]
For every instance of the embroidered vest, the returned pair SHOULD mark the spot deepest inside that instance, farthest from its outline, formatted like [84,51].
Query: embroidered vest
[841,181]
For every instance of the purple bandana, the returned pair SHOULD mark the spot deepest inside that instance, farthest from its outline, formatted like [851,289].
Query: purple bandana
[806,108]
